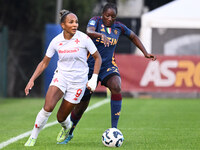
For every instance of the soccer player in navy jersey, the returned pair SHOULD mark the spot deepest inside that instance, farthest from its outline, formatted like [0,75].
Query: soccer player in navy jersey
[105,31]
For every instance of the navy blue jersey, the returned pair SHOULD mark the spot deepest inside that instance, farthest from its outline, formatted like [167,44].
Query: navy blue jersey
[113,33]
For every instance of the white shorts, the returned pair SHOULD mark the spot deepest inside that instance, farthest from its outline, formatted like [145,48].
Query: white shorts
[73,92]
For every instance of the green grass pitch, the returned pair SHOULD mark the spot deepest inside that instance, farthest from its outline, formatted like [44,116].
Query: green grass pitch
[147,124]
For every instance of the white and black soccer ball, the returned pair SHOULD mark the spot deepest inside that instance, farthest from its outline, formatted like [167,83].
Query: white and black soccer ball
[112,137]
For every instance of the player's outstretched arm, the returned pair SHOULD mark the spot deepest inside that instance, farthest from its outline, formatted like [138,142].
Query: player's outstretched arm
[40,68]
[135,39]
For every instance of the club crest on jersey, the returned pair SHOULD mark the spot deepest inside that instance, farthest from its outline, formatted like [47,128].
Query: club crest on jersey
[108,30]
[115,31]
[92,22]
[77,41]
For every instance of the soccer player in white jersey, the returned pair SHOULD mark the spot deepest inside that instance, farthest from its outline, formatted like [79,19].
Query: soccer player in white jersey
[71,76]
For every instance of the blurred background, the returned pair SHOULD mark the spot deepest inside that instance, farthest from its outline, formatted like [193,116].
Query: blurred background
[167,28]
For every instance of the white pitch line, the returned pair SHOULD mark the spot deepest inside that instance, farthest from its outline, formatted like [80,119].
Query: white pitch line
[26,134]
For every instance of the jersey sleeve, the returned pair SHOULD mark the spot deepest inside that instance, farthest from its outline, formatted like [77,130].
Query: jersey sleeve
[50,50]
[125,30]
[92,22]
[90,46]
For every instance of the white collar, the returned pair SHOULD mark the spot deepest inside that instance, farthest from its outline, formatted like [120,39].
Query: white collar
[74,36]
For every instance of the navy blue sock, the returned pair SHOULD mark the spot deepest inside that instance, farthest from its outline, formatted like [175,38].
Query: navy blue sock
[75,119]
[116,103]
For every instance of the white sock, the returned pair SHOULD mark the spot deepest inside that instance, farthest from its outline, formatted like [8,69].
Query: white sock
[67,123]
[40,121]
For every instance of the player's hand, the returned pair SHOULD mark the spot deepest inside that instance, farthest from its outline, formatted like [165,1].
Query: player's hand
[92,83]
[28,87]
[105,40]
[150,56]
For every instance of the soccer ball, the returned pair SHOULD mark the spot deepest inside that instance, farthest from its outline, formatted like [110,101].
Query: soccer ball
[112,137]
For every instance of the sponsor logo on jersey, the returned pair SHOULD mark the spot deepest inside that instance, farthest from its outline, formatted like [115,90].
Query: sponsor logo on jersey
[102,30]
[69,50]
[113,40]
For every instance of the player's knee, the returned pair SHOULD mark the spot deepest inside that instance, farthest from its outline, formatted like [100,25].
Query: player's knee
[116,89]
[48,108]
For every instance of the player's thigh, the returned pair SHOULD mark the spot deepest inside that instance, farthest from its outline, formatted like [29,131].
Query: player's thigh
[54,94]
[56,91]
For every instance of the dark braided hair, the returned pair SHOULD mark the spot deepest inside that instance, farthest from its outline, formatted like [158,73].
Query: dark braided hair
[63,14]
[108,6]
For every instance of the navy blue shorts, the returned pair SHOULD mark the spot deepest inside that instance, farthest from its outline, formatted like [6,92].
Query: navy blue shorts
[104,75]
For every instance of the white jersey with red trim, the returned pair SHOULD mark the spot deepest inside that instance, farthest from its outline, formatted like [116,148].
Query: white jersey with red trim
[72,55]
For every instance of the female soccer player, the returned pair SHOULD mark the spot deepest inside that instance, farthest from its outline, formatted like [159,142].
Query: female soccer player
[71,76]
[105,32]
